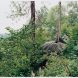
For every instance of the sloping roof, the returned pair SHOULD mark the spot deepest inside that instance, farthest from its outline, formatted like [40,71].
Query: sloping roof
[52,46]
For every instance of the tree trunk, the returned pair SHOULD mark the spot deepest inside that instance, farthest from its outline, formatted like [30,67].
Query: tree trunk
[33,22]
[58,35]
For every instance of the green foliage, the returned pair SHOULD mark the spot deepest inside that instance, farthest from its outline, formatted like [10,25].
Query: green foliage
[57,66]
[18,58]
[61,66]
[72,46]
[74,68]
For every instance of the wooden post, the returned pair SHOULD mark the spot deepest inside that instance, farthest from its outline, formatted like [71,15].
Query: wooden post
[33,22]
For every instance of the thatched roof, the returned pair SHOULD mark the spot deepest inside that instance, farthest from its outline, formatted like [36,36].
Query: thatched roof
[53,47]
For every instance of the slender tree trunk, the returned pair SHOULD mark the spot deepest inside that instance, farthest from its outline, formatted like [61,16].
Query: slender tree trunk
[33,29]
[59,24]
[59,19]
[33,22]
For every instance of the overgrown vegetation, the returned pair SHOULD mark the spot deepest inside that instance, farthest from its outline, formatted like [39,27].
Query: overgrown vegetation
[17,57]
